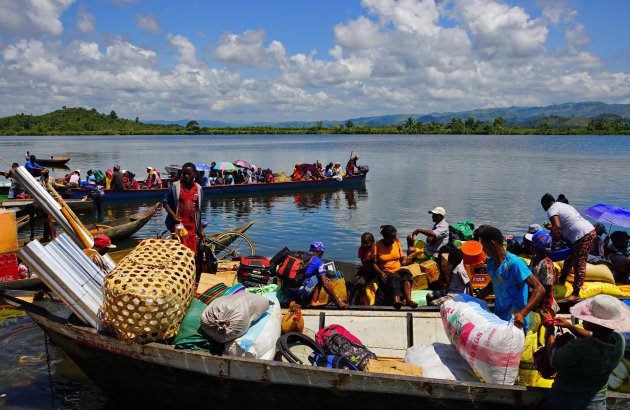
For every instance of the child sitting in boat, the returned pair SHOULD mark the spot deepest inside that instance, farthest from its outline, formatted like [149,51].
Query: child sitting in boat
[455,275]
[366,272]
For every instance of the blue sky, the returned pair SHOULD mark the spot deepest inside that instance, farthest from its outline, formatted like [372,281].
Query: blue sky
[307,60]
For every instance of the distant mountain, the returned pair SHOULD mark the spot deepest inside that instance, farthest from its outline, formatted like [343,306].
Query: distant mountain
[569,114]
[582,110]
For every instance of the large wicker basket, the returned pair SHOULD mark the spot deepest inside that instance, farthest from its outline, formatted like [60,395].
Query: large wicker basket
[147,295]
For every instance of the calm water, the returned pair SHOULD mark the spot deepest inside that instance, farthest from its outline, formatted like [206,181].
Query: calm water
[489,179]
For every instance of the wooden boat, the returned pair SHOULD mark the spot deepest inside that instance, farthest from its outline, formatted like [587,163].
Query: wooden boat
[35,283]
[223,190]
[84,204]
[133,372]
[119,228]
[52,162]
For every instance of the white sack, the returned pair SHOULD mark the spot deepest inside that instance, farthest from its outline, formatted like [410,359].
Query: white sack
[229,317]
[440,361]
[260,340]
[492,347]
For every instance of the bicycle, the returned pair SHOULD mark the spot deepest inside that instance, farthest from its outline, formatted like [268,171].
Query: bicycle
[224,246]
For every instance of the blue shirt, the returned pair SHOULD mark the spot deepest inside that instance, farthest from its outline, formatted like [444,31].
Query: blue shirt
[31,165]
[510,289]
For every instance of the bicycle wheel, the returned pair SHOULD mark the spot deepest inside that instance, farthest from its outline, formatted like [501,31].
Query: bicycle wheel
[232,244]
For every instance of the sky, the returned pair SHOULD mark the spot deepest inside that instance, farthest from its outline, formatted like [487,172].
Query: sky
[286,60]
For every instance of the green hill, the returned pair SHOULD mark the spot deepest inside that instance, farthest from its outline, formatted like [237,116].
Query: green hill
[80,121]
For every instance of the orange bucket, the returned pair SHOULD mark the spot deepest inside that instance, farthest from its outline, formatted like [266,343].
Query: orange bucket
[473,253]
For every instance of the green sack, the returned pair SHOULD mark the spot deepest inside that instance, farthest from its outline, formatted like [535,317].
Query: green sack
[98,176]
[190,335]
[465,228]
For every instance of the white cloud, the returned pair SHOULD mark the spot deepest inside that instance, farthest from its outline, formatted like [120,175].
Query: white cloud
[148,22]
[26,18]
[499,30]
[186,49]
[85,19]
[557,11]
[247,49]
[396,56]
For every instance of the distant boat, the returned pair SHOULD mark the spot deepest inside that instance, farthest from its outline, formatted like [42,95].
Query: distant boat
[226,190]
[52,162]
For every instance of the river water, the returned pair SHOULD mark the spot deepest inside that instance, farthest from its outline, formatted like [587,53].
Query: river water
[489,179]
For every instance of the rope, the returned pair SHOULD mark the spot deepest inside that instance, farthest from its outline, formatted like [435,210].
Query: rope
[5,161]
[50,378]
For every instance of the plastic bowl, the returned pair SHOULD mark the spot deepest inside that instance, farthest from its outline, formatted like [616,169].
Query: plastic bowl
[560,254]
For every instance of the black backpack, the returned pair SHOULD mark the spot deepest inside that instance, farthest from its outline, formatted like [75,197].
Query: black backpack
[356,353]
[292,270]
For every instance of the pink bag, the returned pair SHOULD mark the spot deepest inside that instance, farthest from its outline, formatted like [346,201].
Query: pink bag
[324,334]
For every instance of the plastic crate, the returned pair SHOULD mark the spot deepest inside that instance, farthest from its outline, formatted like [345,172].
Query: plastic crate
[9,267]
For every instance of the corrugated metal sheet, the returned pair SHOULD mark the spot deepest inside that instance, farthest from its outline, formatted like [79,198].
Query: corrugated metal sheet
[69,273]
[46,200]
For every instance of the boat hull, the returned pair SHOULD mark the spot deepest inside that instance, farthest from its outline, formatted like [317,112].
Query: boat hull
[52,162]
[227,190]
[129,372]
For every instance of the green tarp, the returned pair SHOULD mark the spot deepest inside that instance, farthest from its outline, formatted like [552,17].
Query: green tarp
[465,228]
[190,335]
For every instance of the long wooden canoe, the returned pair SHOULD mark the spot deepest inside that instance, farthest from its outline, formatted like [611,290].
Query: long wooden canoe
[133,372]
[84,204]
[53,162]
[223,190]
[119,228]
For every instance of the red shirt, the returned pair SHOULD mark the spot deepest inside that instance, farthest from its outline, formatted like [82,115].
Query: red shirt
[187,207]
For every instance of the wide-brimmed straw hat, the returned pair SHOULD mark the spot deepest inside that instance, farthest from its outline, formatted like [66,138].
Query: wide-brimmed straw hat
[604,310]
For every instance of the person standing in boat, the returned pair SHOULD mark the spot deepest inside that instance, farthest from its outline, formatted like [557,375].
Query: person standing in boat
[394,285]
[351,166]
[585,363]
[15,189]
[510,280]
[118,177]
[567,223]
[437,237]
[182,203]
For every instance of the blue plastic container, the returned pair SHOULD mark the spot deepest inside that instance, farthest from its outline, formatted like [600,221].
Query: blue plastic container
[560,254]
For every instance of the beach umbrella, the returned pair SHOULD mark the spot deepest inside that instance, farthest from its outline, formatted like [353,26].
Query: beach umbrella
[242,164]
[609,214]
[202,167]
[224,166]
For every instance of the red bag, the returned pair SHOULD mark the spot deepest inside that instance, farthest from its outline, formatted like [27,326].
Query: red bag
[325,333]
[292,271]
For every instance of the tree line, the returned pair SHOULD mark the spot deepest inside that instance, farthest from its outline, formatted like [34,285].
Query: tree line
[82,121]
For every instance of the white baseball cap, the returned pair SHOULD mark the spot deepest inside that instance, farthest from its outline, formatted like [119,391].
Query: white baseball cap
[438,210]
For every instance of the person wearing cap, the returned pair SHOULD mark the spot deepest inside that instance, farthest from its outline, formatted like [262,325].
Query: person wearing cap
[510,279]
[598,247]
[182,203]
[315,275]
[618,253]
[102,243]
[527,238]
[585,363]
[542,268]
[437,236]
[117,179]
[567,223]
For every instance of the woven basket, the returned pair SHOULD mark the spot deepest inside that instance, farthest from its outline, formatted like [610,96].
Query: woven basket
[147,295]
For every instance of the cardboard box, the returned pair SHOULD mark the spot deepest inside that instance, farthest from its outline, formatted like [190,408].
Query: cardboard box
[208,280]
[228,266]
[392,366]
[432,270]
[420,279]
